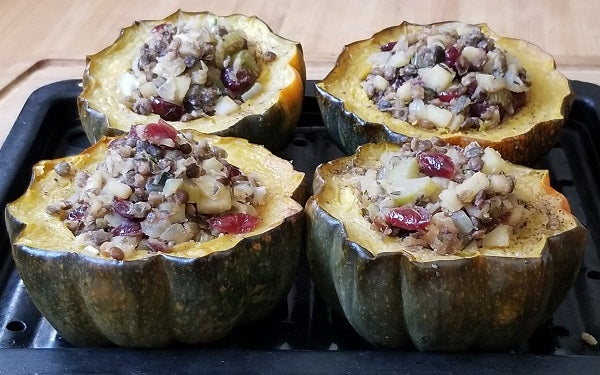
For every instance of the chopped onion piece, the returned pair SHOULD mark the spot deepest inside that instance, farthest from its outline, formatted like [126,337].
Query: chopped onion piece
[252,92]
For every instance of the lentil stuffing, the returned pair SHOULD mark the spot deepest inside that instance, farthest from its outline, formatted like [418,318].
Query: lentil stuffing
[186,71]
[449,76]
[157,188]
[438,196]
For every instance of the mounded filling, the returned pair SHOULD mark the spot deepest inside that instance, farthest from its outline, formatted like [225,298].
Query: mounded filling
[448,76]
[442,197]
[157,188]
[185,71]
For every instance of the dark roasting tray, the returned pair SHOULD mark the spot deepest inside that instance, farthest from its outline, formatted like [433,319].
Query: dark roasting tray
[302,335]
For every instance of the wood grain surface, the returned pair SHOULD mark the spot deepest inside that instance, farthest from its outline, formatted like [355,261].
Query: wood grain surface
[47,41]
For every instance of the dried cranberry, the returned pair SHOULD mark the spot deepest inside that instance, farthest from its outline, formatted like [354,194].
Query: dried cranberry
[436,165]
[387,47]
[159,28]
[451,56]
[156,132]
[166,110]
[239,82]
[127,228]
[447,96]
[233,223]
[408,218]
[123,208]
[232,170]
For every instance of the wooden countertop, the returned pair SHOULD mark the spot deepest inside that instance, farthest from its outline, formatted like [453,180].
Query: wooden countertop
[47,41]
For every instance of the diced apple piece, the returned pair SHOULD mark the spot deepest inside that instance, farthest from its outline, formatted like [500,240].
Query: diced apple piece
[501,183]
[171,186]
[492,161]
[474,55]
[182,85]
[209,195]
[490,83]
[400,168]
[468,189]
[449,199]
[226,106]
[212,164]
[497,237]
[167,90]
[379,58]
[437,78]
[405,191]
[440,117]
[148,89]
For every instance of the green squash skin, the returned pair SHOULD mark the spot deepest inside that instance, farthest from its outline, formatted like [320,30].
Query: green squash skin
[347,130]
[164,299]
[273,129]
[479,303]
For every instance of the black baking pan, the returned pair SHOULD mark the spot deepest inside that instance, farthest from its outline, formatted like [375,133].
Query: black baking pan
[302,335]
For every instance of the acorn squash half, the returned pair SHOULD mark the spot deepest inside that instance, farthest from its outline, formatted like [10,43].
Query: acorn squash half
[195,294]
[268,118]
[487,298]
[352,119]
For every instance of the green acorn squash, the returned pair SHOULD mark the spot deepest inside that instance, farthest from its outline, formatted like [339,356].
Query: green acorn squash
[395,295]
[352,119]
[268,118]
[195,294]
